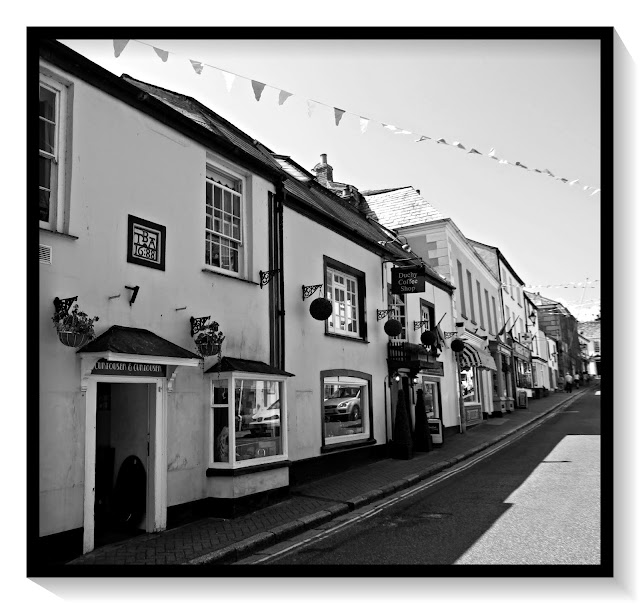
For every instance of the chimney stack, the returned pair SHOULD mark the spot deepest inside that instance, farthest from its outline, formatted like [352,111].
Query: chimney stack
[323,171]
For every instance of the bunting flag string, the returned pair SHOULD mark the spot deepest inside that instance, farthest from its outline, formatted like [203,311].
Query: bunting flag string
[580,284]
[258,88]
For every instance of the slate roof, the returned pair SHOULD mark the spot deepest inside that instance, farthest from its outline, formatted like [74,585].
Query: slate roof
[246,365]
[397,208]
[589,329]
[132,340]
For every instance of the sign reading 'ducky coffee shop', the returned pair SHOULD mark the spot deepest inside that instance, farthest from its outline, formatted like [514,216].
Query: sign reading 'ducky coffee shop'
[407,280]
[104,367]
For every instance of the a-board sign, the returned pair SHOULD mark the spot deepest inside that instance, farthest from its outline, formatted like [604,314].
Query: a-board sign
[141,369]
[409,280]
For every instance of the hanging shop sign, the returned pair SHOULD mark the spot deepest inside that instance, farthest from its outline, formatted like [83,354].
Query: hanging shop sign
[104,367]
[432,367]
[521,351]
[146,243]
[407,280]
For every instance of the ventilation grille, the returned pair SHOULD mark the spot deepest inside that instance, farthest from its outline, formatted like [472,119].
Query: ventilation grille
[45,254]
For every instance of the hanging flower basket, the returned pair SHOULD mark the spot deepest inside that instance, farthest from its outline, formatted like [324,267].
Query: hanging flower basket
[74,339]
[209,340]
[74,328]
[321,309]
[393,328]
[208,349]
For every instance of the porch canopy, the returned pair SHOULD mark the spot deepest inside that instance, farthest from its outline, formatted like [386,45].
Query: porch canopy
[129,344]
[474,357]
[246,366]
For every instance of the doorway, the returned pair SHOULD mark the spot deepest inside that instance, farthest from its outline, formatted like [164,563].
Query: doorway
[122,460]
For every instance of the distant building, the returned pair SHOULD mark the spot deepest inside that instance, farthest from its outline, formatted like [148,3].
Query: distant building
[591,331]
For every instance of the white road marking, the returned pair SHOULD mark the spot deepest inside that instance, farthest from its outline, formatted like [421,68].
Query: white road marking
[428,483]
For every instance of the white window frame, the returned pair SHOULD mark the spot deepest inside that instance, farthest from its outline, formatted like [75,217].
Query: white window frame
[215,172]
[231,377]
[333,325]
[399,304]
[58,181]
[365,398]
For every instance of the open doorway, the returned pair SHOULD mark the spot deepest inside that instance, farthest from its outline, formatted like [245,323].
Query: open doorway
[123,439]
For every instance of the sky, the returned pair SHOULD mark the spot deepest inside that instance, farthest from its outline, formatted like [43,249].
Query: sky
[536,102]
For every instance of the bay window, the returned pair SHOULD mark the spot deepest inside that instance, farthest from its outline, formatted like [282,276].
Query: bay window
[248,420]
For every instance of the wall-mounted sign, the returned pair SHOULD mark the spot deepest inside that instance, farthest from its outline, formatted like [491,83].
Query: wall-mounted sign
[146,243]
[407,280]
[432,367]
[141,369]
[521,351]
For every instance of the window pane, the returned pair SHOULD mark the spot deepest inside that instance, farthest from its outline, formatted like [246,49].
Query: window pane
[236,206]
[217,203]
[227,202]
[47,137]
[258,419]
[468,385]
[220,434]
[47,103]
[344,407]
[44,205]
[45,173]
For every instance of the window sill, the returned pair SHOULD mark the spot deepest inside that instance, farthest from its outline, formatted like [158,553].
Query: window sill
[464,316]
[353,444]
[349,338]
[248,469]
[472,321]
[215,272]
[57,233]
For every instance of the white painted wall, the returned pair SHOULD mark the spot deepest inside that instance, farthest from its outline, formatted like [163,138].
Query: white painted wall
[123,162]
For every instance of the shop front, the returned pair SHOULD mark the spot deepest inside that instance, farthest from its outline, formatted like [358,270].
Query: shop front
[522,373]
[502,382]
[475,367]
[127,375]
[429,381]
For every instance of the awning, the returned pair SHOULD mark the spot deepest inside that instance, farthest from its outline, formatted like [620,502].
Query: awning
[246,366]
[474,357]
[120,343]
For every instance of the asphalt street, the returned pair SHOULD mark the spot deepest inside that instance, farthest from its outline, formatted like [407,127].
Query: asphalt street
[534,501]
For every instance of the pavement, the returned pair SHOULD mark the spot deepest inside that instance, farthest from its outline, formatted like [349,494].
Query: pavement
[212,541]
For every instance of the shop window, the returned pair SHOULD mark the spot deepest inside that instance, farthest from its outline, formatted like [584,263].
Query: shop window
[223,221]
[346,407]
[468,384]
[247,420]
[53,149]
[427,313]
[345,287]
[398,303]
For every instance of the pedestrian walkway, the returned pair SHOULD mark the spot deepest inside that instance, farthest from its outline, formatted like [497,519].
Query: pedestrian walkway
[219,541]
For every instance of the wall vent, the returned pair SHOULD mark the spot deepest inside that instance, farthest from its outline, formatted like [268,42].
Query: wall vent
[45,254]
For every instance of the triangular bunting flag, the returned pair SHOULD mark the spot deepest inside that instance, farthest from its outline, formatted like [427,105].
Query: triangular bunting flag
[503,161]
[474,151]
[492,153]
[229,78]
[546,171]
[521,165]
[364,123]
[442,141]
[283,96]
[573,182]
[586,188]
[422,138]
[389,127]
[459,145]
[338,113]
[163,54]
[403,132]
[197,66]
[538,171]
[311,105]
[258,87]
[563,180]
[118,47]
[596,191]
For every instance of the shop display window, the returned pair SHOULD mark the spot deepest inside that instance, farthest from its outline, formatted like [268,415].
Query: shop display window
[345,408]
[247,420]
[468,383]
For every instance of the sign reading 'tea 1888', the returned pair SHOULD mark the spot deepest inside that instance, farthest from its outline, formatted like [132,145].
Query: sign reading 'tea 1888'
[407,280]
[104,367]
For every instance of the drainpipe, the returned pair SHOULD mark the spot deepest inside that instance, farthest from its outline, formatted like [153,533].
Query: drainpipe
[280,197]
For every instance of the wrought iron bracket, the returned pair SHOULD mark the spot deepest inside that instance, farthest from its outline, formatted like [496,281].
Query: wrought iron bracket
[198,324]
[63,305]
[309,290]
[419,324]
[135,290]
[265,276]
[381,314]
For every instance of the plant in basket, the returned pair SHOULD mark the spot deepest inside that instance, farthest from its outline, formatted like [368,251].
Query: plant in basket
[209,339]
[74,328]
